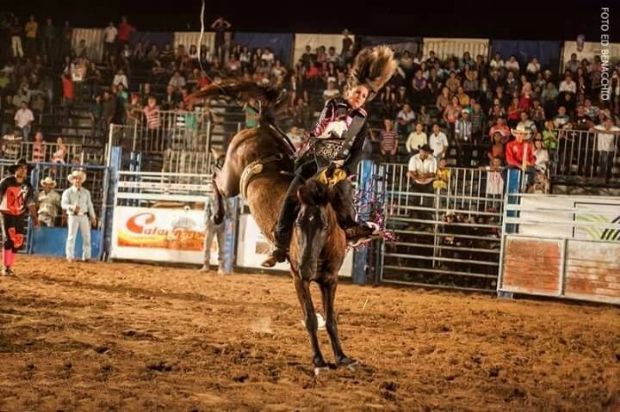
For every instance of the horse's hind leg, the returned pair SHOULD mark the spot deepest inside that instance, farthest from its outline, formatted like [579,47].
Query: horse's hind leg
[328,293]
[305,299]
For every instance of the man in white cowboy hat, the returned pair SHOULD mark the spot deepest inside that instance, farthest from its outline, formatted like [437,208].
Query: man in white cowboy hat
[49,202]
[76,201]
[520,152]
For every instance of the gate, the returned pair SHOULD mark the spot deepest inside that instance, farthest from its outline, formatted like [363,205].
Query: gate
[447,238]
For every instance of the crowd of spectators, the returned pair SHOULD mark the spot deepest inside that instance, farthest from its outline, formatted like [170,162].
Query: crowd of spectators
[465,102]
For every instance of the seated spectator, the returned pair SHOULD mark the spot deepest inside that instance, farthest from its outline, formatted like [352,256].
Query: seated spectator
[38,147]
[23,120]
[48,201]
[438,142]
[542,156]
[514,113]
[416,139]
[496,62]
[405,119]
[550,138]
[11,145]
[120,78]
[170,99]
[533,67]
[582,120]
[268,56]
[512,64]
[525,122]
[497,148]
[331,92]
[478,122]
[463,97]
[388,144]
[561,119]
[537,114]
[177,81]
[502,128]
[573,64]
[61,151]
[568,85]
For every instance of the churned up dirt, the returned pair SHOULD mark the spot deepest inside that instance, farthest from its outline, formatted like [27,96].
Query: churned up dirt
[124,337]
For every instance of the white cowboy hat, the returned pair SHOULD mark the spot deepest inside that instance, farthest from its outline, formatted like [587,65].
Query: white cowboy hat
[523,131]
[48,181]
[77,174]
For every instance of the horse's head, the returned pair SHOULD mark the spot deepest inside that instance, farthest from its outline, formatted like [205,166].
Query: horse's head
[312,224]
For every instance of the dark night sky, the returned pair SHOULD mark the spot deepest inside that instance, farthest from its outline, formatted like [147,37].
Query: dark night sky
[501,19]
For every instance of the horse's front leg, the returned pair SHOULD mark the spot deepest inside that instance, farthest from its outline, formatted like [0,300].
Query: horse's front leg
[328,293]
[305,299]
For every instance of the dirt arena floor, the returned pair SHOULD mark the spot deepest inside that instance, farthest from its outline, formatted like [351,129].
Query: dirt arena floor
[140,337]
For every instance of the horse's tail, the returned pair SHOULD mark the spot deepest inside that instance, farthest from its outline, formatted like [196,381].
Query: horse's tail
[271,99]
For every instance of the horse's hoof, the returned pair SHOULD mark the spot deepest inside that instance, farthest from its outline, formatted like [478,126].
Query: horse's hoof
[350,363]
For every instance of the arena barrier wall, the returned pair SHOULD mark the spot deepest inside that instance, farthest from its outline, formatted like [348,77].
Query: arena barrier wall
[94,41]
[160,217]
[561,246]
[280,43]
[547,52]
[316,40]
[444,48]
[398,44]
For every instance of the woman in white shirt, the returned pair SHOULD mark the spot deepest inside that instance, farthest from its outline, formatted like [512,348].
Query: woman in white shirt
[533,67]
[542,156]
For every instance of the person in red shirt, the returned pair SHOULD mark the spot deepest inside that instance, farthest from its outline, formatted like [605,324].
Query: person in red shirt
[16,198]
[520,152]
[501,128]
[68,94]
[124,32]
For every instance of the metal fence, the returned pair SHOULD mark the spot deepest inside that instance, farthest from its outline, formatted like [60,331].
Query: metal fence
[445,237]
[47,152]
[580,155]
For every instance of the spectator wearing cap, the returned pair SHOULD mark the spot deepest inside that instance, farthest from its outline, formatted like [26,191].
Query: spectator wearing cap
[48,201]
[422,169]
[77,203]
[520,152]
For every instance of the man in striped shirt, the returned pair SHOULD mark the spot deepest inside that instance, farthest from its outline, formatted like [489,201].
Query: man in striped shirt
[153,122]
[389,141]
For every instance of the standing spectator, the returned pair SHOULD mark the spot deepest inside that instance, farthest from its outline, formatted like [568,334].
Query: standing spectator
[520,153]
[77,203]
[31,30]
[49,202]
[438,142]
[421,170]
[177,81]
[478,122]
[497,148]
[153,122]
[68,96]
[561,119]
[416,139]
[8,115]
[220,25]
[16,198]
[527,123]
[16,38]
[108,110]
[463,139]
[606,145]
[109,40]
[48,34]
[39,148]
[23,120]
[550,139]
[212,231]
[347,45]
[124,32]
[65,39]
[388,145]
[568,85]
